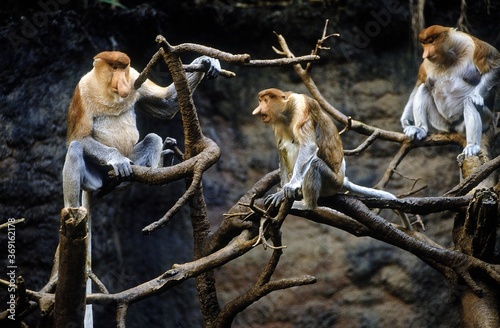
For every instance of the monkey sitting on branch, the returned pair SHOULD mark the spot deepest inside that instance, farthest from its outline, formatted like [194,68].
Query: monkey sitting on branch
[311,156]
[102,132]
[455,87]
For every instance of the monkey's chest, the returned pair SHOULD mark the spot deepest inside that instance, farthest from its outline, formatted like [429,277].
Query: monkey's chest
[289,151]
[118,131]
[449,95]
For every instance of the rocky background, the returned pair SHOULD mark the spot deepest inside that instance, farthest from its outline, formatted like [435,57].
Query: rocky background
[47,45]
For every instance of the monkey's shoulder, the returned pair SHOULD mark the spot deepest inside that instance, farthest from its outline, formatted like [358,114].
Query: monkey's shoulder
[486,57]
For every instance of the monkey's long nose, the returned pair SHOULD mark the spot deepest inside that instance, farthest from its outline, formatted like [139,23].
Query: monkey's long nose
[123,88]
[425,54]
[120,84]
[256,111]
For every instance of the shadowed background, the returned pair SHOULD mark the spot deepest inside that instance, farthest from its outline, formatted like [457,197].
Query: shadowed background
[46,46]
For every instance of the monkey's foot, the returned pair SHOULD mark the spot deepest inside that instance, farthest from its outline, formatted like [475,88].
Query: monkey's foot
[415,133]
[170,146]
[262,238]
[471,150]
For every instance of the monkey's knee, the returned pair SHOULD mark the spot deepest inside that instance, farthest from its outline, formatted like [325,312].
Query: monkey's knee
[72,169]
[75,148]
[152,140]
[148,151]
[74,155]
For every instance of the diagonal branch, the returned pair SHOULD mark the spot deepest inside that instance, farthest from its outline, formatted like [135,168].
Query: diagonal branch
[460,263]
[355,125]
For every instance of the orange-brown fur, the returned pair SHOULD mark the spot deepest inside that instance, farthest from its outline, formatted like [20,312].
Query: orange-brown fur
[311,154]
[102,130]
[310,150]
[101,106]
[284,111]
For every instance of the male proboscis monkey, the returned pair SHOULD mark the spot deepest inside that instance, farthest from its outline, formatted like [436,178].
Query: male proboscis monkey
[102,131]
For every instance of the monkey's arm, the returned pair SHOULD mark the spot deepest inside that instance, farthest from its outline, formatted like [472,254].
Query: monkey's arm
[292,188]
[421,101]
[414,119]
[485,87]
[162,102]
[105,155]
[307,153]
[407,116]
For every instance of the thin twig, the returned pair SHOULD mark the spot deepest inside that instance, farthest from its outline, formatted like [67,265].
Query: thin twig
[367,143]
[11,223]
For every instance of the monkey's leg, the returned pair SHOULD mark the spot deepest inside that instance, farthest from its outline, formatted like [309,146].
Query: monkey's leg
[74,165]
[148,151]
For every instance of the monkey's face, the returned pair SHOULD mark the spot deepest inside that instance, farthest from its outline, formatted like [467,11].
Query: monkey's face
[263,110]
[112,69]
[432,40]
[272,103]
[267,109]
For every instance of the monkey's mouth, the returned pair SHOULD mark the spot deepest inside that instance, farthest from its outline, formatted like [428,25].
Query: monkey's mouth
[265,118]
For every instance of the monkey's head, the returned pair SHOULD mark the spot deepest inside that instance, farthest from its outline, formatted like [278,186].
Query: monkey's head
[433,40]
[112,69]
[272,105]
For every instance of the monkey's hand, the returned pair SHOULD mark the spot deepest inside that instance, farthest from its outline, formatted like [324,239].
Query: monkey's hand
[293,190]
[275,199]
[477,100]
[212,66]
[415,132]
[121,164]
[471,150]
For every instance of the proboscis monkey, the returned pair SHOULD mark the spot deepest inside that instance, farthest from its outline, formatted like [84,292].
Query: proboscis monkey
[455,83]
[311,155]
[102,131]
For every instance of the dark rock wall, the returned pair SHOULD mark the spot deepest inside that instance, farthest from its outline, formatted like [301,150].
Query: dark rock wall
[361,283]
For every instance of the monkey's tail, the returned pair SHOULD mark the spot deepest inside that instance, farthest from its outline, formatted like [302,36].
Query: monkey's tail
[365,191]
[370,192]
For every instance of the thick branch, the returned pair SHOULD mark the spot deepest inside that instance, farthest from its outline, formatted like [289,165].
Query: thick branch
[70,292]
[420,205]
[460,263]
[478,235]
